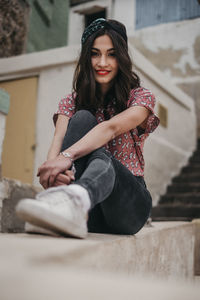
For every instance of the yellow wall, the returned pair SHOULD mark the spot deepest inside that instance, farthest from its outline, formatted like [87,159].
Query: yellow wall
[19,141]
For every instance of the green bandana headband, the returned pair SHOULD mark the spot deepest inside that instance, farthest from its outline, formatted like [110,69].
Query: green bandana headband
[100,24]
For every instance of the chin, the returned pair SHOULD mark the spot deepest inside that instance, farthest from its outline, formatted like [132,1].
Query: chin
[103,80]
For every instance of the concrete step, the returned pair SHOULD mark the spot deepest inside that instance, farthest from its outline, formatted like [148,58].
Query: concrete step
[192,167]
[196,156]
[175,212]
[180,198]
[137,267]
[185,178]
[181,187]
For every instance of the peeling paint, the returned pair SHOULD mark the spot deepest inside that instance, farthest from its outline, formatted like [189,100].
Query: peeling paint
[165,58]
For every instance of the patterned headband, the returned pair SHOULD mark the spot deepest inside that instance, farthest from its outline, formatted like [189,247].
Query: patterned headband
[99,24]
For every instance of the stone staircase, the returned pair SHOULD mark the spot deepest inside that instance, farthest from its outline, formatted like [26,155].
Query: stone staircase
[182,199]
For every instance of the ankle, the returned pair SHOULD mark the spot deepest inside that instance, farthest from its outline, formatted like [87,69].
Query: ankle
[82,194]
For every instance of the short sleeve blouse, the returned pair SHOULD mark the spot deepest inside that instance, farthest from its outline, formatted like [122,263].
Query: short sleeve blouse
[127,147]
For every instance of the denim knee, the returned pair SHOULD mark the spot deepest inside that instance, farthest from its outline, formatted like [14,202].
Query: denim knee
[85,117]
[79,125]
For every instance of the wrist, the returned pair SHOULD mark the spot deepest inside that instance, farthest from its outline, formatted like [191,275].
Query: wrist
[67,155]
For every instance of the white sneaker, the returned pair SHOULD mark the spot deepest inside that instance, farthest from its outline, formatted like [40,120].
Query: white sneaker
[57,209]
[30,228]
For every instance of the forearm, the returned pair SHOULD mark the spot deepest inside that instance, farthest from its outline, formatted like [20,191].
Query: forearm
[55,147]
[94,139]
[60,130]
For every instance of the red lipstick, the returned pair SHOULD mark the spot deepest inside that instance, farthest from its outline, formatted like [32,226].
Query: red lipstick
[102,72]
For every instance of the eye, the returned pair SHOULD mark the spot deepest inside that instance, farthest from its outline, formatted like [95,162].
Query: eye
[93,53]
[112,54]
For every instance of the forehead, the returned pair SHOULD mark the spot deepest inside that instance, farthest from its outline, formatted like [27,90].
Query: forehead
[103,42]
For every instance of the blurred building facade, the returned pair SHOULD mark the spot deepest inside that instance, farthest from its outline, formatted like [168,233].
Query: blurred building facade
[32,25]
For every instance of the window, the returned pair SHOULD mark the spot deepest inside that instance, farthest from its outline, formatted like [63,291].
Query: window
[93,16]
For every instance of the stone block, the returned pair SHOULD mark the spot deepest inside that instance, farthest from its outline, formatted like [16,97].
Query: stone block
[11,191]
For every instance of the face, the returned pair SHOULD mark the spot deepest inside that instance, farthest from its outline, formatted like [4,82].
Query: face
[104,62]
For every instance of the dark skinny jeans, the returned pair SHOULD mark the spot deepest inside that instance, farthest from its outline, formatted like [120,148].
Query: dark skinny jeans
[120,201]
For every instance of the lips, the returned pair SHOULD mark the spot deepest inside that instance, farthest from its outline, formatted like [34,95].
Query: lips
[102,72]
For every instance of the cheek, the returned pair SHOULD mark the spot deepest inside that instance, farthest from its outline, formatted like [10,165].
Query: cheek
[93,62]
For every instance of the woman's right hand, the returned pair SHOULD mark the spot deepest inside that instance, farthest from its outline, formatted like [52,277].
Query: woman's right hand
[51,169]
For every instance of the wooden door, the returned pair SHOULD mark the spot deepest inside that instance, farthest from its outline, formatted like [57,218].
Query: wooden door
[19,142]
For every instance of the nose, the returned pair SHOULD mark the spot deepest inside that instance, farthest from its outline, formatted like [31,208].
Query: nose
[103,61]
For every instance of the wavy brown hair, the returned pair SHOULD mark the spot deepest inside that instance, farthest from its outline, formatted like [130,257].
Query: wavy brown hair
[87,92]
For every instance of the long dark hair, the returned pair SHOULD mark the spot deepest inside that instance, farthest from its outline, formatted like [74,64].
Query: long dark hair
[87,92]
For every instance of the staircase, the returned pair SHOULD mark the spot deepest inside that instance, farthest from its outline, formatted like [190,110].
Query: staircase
[182,199]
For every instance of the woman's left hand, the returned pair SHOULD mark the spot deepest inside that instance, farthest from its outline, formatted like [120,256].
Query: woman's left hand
[64,179]
[50,169]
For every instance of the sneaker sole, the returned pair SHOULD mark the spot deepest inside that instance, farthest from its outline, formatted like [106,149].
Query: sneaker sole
[29,211]
[30,228]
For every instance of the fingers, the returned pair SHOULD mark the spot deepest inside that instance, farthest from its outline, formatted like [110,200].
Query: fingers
[53,176]
[62,179]
[49,171]
[47,179]
[70,173]
[44,180]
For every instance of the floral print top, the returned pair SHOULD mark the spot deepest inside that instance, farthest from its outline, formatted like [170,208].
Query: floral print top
[127,147]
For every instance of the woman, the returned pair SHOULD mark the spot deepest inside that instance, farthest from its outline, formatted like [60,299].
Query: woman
[96,182]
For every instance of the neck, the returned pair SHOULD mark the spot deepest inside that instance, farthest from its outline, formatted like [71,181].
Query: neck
[105,88]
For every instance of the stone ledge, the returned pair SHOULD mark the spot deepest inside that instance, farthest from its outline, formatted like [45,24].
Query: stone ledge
[165,249]
[156,263]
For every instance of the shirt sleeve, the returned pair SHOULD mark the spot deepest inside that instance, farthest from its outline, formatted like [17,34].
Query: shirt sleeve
[144,97]
[66,107]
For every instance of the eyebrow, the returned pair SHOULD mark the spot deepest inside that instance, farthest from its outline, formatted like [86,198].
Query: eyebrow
[111,49]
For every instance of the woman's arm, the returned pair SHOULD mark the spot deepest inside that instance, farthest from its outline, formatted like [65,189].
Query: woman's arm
[54,150]
[108,130]
[60,130]
[94,139]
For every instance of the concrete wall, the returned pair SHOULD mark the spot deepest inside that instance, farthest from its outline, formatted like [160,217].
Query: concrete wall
[166,151]
[174,48]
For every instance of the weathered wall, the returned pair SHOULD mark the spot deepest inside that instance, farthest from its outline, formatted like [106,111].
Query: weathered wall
[174,48]
[166,151]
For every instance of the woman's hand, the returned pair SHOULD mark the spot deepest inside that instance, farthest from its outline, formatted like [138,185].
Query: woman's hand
[50,169]
[64,179]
